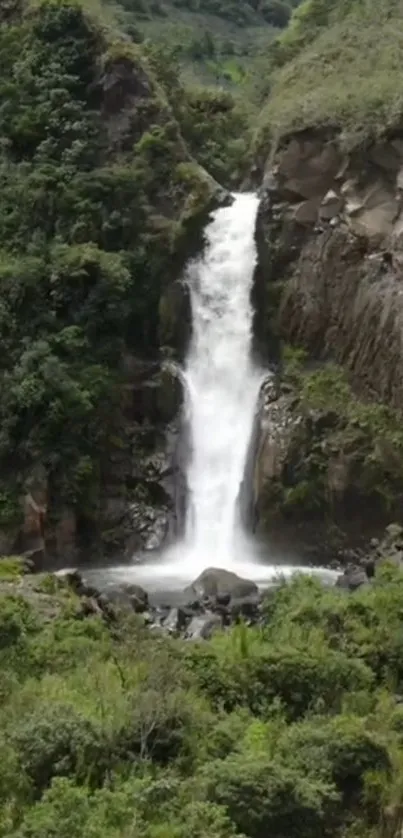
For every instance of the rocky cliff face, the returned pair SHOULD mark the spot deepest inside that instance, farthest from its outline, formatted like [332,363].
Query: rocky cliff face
[332,225]
[330,240]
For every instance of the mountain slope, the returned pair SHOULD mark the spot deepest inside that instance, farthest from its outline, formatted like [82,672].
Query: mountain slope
[330,146]
[338,64]
[99,197]
[216,41]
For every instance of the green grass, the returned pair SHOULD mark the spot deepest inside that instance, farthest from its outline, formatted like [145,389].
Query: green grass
[11,568]
[349,75]
[215,42]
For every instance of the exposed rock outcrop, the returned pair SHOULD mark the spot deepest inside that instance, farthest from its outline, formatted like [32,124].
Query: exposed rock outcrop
[142,502]
[330,248]
[327,470]
[330,232]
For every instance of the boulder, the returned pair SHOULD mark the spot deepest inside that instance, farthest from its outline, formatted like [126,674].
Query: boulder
[215,582]
[307,211]
[353,577]
[331,205]
[138,598]
[202,628]
[223,599]
[176,620]
[309,167]
[133,595]
[75,581]
[247,607]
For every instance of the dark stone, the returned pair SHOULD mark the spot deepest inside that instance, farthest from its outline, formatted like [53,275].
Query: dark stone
[224,613]
[245,607]
[129,595]
[177,619]
[89,607]
[171,623]
[223,599]
[106,607]
[89,591]
[202,628]
[215,582]
[369,567]
[123,88]
[175,317]
[138,598]
[149,527]
[75,581]
[353,577]
[193,605]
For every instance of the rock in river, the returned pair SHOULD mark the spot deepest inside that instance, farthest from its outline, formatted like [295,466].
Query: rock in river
[216,582]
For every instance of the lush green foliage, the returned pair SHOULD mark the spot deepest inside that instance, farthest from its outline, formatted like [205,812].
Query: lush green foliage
[216,40]
[86,240]
[338,430]
[337,64]
[213,123]
[292,729]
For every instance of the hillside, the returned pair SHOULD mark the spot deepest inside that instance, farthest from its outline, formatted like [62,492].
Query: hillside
[215,41]
[337,65]
[221,710]
[101,201]
[329,145]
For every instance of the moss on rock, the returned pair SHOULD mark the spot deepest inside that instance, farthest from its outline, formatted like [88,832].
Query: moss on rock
[328,457]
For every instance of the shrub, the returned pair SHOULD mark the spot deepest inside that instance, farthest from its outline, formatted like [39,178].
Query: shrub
[342,748]
[264,797]
[296,673]
[11,567]
[58,741]
[366,626]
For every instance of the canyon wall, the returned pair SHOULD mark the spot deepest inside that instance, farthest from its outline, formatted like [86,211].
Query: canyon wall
[331,252]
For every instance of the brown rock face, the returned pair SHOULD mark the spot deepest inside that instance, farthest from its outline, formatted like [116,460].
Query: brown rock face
[344,301]
[330,239]
[331,232]
[126,96]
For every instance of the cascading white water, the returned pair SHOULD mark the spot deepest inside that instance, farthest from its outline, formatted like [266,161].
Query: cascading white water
[222,382]
[222,385]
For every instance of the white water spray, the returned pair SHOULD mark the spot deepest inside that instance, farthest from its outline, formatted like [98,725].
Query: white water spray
[222,384]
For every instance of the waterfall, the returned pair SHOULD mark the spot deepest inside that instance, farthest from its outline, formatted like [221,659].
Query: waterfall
[221,386]
[222,383]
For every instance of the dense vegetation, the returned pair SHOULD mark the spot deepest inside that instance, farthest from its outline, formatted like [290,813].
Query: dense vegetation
[290,729]
[338,64]
[294,728]
[365,438]
[216,41]
[95,213]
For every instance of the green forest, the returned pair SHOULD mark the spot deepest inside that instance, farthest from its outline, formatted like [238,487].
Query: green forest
[292,728]
[122,125]
[86,241]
